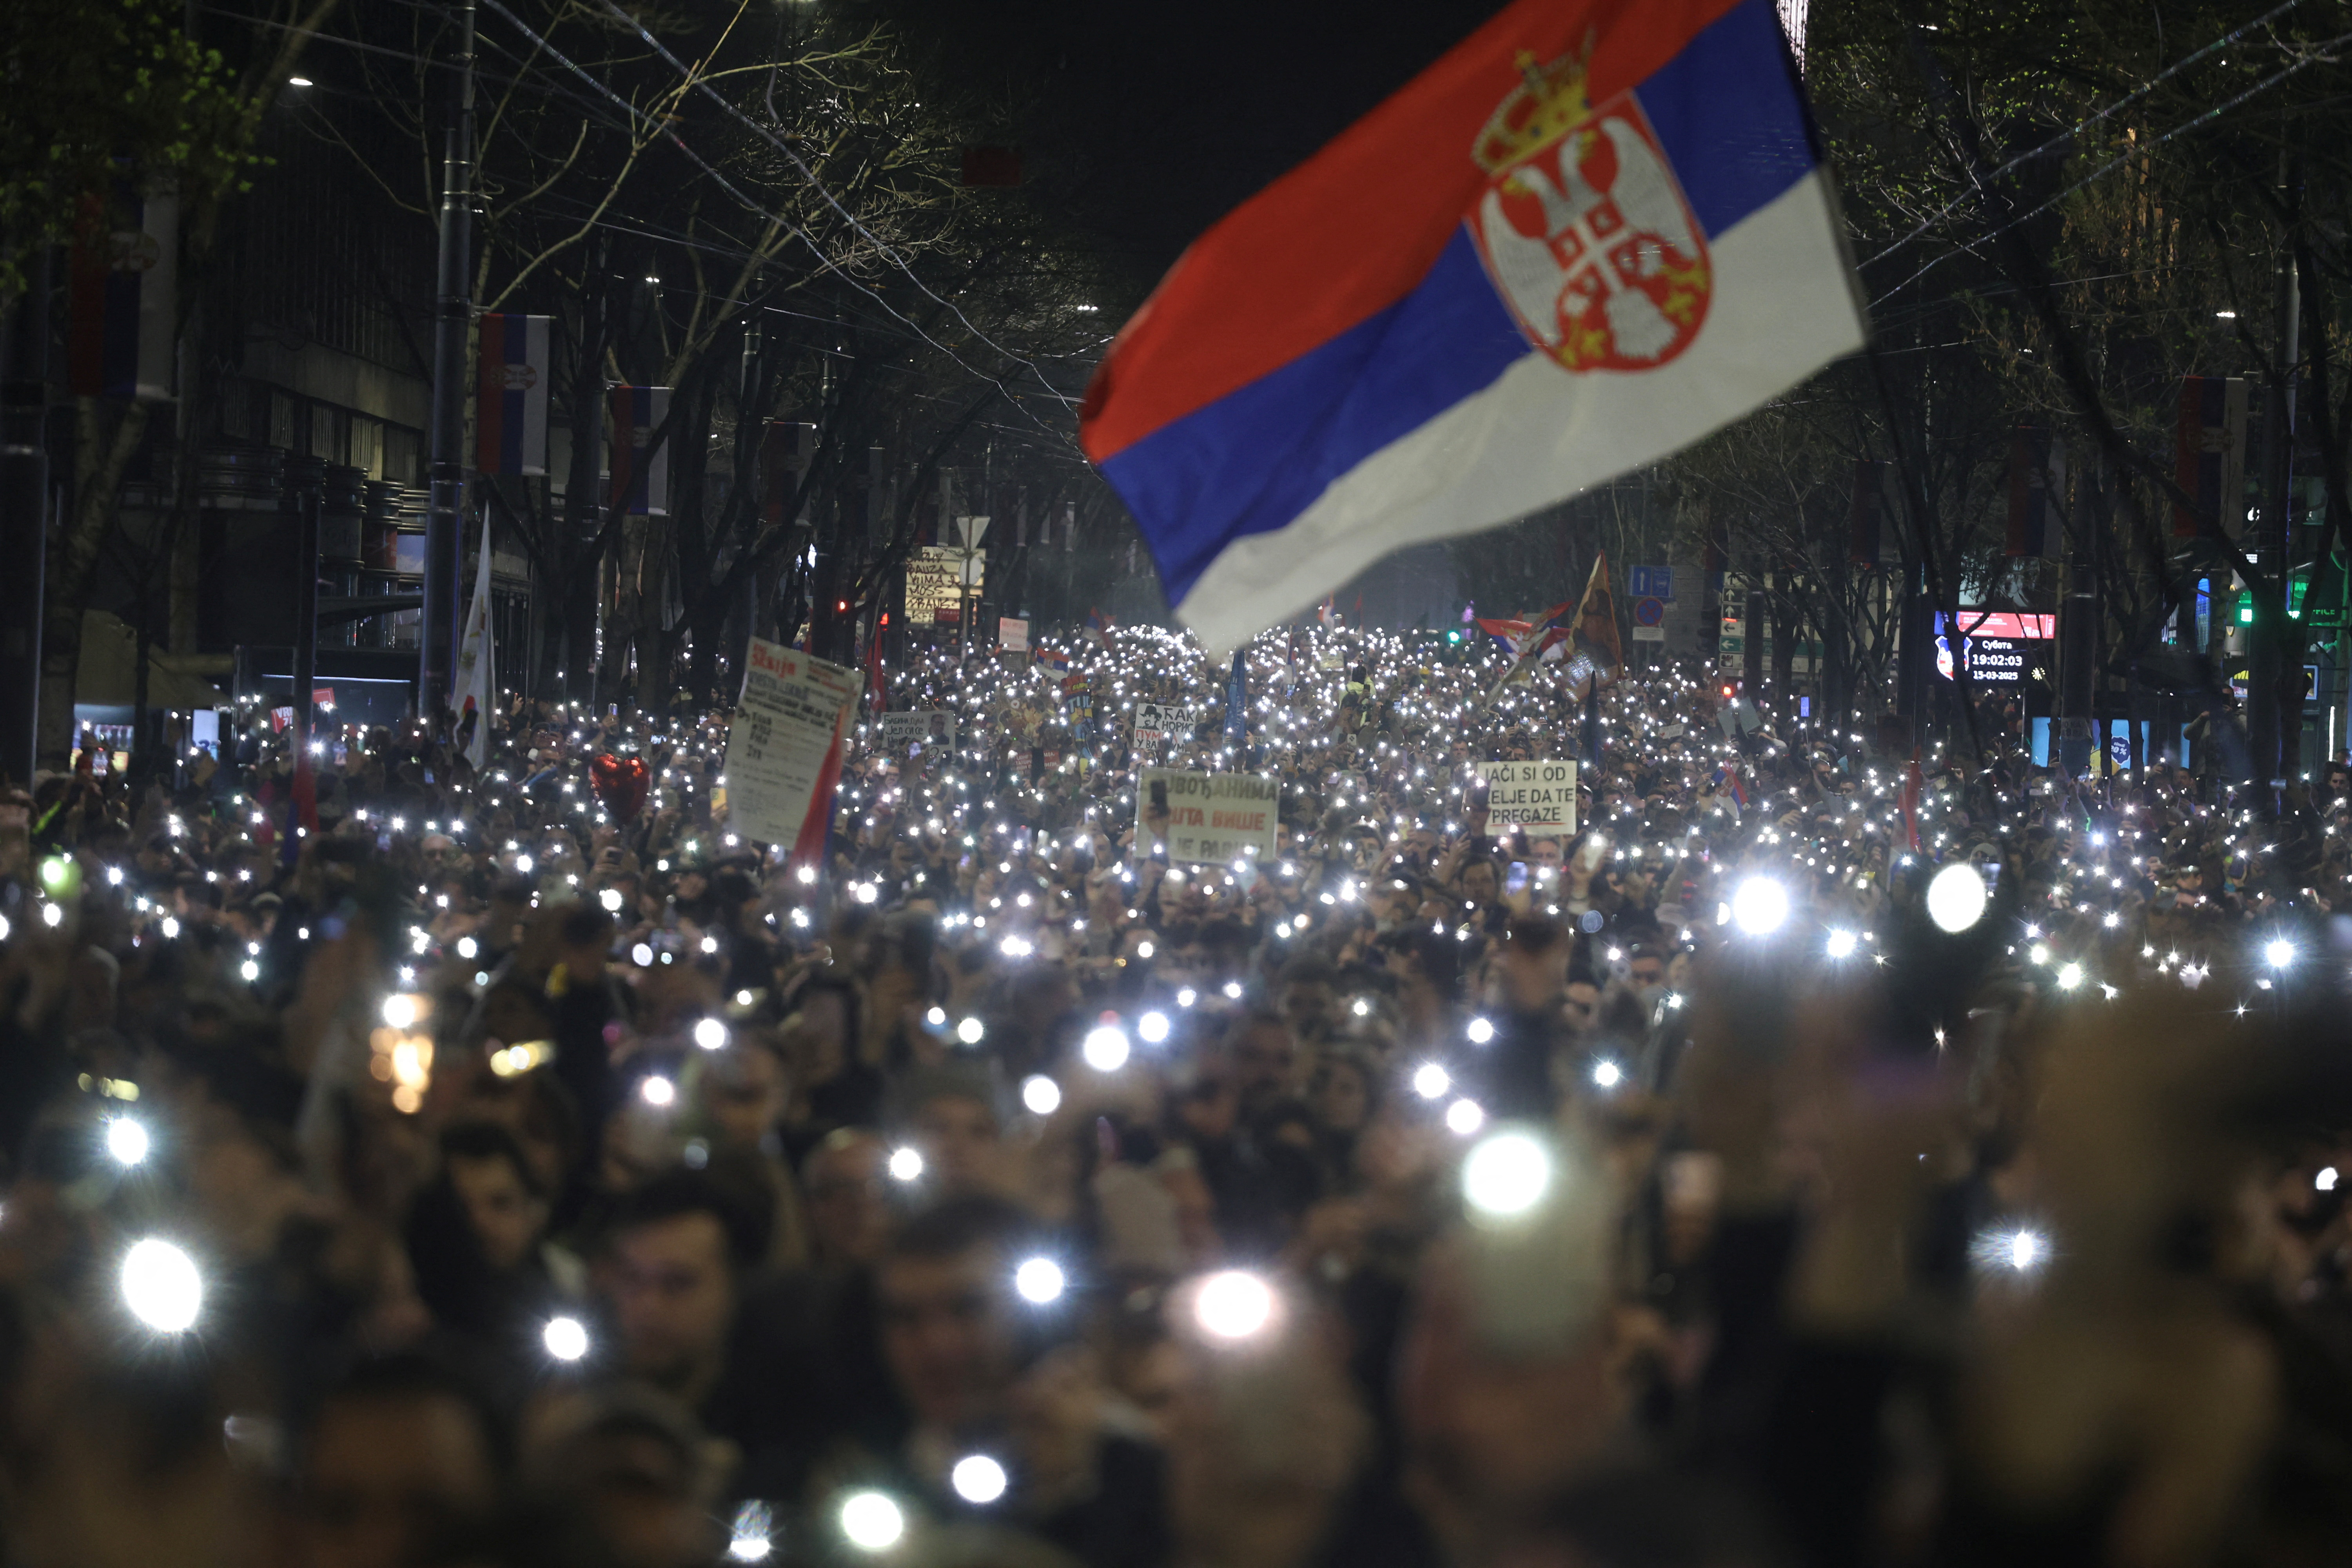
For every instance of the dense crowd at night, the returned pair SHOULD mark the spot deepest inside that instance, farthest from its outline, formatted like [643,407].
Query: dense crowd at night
[1826,1153]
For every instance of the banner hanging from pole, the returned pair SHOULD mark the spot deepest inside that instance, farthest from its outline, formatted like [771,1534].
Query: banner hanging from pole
[640,472]
[511,407]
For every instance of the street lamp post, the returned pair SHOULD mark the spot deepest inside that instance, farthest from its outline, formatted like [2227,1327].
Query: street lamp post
[453,318]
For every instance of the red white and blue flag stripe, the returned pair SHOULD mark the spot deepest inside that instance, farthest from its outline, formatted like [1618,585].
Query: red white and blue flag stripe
[510,414]
[122,299]
[640,470]
[1588,235]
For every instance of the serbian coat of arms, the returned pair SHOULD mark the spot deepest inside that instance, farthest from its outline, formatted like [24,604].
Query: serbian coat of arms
[1583,228]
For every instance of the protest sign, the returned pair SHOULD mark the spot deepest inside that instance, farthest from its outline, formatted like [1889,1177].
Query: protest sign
[935,585]
[1158,721]
[1536,798]
[783,749]
[926,725]
[1207,818]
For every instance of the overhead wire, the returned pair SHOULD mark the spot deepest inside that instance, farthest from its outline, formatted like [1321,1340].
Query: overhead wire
[669,133]
[2088,121]
[700,85]
[2310,58]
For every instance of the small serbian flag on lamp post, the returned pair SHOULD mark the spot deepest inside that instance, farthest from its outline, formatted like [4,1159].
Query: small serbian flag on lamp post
[510,412]
[640,470]
[122,297]
[1588,235]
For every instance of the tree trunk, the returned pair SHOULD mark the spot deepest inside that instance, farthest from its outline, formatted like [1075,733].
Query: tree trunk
[99,459]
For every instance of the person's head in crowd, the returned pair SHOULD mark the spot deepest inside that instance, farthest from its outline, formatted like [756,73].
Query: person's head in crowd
[1532,965]
[744,1090]
[952,1336]
[949,1115]
[1263,1055]
[505,1203]
[1308,998]
[404,1453]
[676,1255]
[845,1183]
[1479,882]
[633,1466]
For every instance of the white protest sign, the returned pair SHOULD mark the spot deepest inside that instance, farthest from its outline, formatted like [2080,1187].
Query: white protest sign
[1207,818]
[935,583]
[786,730]
[900,731]
[1156,721]
[1536,798]
[1013,634]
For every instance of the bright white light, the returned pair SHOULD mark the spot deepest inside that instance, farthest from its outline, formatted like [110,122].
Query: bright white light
[754,1524]
[1760,907]
[1105,1048]
[1039,1280]
[658,1090]
[2278,953]
[2027,1250]
[864,892]
[978,1478]
[905,1165]
[1607,1074]
[1153,1027]
[52,914]
[566,1339]
[402,1011]
[611,899]
[1480,1030]
[1956,897]
[126,1140]
[971,1031]
[160,1286]
[1233,990]
[1465,1117]
[1507,1174]
[1233,1305]
[1041,1094]
[1841,944]
[2070,975]
[642,955]
[1187,996]
[1430,1081]
[466,946]
[2325,1181]
[711,1035]
[171,927]
[871,1521]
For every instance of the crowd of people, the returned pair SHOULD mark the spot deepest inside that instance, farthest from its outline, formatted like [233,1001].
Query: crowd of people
[1821,1151]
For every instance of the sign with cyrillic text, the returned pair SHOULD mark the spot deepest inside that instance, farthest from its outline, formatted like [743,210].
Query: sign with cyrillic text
[1206,818]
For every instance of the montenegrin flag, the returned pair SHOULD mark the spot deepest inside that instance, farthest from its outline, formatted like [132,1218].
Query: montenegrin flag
[1591,234]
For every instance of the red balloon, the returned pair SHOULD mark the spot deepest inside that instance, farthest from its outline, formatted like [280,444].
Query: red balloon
[620,783]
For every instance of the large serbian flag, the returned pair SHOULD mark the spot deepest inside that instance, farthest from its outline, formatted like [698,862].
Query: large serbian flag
[1592,233]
